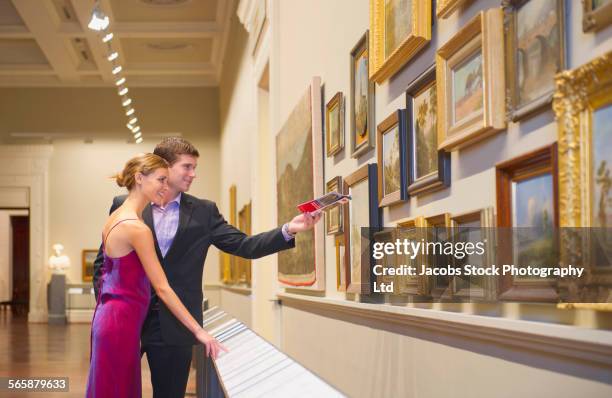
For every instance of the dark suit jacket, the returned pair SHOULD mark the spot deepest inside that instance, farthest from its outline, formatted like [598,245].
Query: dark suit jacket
[200,225]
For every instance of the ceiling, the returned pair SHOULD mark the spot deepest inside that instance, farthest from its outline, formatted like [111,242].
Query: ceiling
[161,43]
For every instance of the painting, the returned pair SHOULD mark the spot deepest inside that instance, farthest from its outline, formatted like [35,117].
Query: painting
[87,259]
[467,88]
[363,219]
[438,230]
[391,153]
[334,215]
[444,8]
[597,14]
[411,285]
[299,178]
[535,44]
[334,124]
[470,82]
[582,102]
[429,168]
[244,264]
[527,202]
[341,276]
[399,30]
[362,100]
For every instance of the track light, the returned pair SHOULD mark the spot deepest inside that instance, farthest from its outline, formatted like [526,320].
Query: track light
[113,56]
[117,69]
[133,120]
[135,129]
[107,38]
[130,112]
[99,21]
[126,102]
[123,91]
[138,140]
[137,135]
[120,81]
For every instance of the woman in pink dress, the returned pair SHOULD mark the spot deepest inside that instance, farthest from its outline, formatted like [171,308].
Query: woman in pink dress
[130,269]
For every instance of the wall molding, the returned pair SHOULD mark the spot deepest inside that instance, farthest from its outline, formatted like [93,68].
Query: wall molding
[594,346]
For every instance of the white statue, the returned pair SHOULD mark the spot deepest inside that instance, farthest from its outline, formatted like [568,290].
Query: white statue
[59,262]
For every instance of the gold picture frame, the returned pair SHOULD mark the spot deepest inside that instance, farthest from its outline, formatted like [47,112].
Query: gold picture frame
[341,262]
[334,216]
[88,256]
[416,285]
[383,65]
[595,18]
[471,82]
[244,264]
[334,125]
[444,8]
[530,79]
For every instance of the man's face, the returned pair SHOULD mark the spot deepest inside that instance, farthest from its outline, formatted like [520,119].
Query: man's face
[182,173]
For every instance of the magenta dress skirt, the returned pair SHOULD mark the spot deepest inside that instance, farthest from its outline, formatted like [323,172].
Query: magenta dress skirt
[115,331]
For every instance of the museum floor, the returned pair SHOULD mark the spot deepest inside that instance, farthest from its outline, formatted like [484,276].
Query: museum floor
[37,350]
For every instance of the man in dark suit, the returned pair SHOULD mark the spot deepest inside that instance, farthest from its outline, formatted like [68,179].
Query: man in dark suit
[184,227]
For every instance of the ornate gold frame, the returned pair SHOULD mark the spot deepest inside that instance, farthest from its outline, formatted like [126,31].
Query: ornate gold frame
[485,31]
[516,111]
[444,8]
[335,184]
[594,20]
[336,101]
[412,285]
[382,68]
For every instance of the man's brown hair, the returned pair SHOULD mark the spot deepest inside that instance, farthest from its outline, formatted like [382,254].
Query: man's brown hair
[171,147]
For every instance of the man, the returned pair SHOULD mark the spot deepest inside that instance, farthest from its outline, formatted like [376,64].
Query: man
[184,227]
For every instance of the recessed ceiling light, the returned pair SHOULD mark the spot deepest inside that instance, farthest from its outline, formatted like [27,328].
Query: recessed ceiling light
[176,46]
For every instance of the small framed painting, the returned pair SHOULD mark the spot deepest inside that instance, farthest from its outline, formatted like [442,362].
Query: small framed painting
[391,151]
[87,259]
[361,99]
[334,216]
[334,124]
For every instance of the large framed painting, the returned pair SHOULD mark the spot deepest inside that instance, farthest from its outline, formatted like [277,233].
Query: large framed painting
[444,8]
[399,30]
[363,219]
[334,216]
[437,230]
[391,154]
[535,52]
[414,286]
[244,264]
[583,106]
[528,214]
[362,99]
[299,178]
[428,167]
[87,260]
[334,124]
[471,82]
[475,226]
[597,14]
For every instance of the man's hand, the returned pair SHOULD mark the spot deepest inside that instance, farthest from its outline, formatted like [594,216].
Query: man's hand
[303,222]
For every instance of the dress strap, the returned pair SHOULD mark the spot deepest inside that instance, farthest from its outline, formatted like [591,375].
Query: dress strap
[110,230]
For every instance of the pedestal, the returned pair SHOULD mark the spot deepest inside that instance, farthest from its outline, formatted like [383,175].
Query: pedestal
[56,297]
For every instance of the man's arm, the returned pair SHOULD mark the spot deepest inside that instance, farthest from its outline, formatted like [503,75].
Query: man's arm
[117,201]
[231,240]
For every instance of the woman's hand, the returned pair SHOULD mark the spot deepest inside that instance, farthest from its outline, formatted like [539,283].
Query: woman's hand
[213,347]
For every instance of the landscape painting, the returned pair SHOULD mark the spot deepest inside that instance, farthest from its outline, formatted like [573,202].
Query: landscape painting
[538,49]
[361,105]
[601,168]
[391,161]
[425,133]
[398,23]
[467,88]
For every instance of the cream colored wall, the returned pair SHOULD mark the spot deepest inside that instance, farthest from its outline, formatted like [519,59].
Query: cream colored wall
[80,191]
[361,358]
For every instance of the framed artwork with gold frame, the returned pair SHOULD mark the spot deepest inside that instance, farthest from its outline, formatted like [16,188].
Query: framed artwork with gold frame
[428,167]
[87,260]
[399,29]
[391,154]
[362,220]
[596,15]
[527,218]
[583,107]
[475,226]
[341,262]
[244,264]
[412,285]
[438,229]
[334,216]
[362,105]
[334,124]
[535,53]
[444,8]
[470,80]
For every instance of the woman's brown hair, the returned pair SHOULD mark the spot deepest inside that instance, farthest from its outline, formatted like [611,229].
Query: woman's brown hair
[145,163]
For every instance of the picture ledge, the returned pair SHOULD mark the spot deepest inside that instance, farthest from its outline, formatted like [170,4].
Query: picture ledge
[590,345]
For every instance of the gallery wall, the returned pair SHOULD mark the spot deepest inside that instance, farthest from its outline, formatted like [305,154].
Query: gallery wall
[364,355]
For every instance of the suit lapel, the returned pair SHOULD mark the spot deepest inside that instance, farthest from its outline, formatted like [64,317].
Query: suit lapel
[185,210]
[147,217]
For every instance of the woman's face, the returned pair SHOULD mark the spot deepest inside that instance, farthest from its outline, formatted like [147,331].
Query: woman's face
[155,185]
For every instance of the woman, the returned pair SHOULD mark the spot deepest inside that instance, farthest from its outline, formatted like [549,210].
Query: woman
[130,268]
